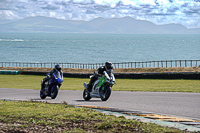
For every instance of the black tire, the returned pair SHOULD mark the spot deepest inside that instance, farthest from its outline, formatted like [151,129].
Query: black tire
[42,96]
[86,95]
[55,92]
[105,94]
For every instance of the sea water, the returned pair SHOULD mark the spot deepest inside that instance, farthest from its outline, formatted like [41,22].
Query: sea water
[97,48]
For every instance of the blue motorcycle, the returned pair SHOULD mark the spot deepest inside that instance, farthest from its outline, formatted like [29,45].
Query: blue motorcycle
[52,86]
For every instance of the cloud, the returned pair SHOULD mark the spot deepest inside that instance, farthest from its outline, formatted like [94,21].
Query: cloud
[156,11]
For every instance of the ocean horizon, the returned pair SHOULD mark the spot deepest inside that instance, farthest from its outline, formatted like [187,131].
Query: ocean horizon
[97,48]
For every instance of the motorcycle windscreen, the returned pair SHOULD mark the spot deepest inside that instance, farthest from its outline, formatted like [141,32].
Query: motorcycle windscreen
[58,76]
[109,72]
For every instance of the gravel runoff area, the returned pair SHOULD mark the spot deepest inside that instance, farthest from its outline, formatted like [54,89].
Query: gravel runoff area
[120,70]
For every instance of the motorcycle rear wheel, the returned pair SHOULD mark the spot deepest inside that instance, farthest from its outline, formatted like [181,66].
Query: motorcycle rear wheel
[105,94]
[54,92]
[86,95]
[42,96]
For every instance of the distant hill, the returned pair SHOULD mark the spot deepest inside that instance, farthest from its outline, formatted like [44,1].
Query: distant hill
[125,25]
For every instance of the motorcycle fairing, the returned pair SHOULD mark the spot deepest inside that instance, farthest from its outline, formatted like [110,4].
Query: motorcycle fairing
[97,84]
[56,79]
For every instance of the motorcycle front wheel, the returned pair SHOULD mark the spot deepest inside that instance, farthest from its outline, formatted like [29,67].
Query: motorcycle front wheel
[86,95]
[54,91]
[105,94]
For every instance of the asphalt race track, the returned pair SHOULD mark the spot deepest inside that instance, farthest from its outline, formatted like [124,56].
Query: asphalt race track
[186,105]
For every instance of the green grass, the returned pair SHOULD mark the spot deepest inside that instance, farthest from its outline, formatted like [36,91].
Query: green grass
[33,82]
[43,117]
[158,85]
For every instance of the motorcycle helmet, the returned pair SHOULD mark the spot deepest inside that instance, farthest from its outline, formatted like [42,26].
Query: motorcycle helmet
[108,65]
[57,67]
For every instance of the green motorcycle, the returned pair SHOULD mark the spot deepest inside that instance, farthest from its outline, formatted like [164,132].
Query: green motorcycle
[101,87]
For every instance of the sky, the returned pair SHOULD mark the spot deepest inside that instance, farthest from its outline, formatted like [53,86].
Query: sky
[185,12]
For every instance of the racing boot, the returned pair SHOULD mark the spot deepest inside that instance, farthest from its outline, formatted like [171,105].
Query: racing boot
[87,86]
[42,85]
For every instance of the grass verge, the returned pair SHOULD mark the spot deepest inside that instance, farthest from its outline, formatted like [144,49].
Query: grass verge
[156,85]
[42,117]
